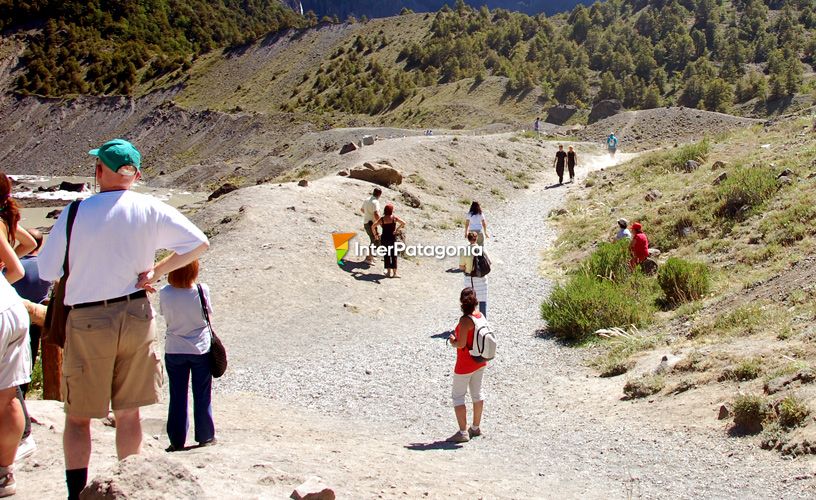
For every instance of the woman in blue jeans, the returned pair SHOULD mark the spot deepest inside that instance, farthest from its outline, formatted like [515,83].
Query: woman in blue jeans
[186,353]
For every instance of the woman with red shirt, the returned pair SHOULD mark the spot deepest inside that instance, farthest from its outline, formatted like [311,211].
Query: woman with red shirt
[467,374]
[639,246]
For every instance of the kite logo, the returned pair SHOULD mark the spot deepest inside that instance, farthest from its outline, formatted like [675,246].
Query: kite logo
[341,245]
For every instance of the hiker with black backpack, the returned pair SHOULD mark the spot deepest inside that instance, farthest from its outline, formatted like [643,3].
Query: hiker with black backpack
[475,345]
[476,265]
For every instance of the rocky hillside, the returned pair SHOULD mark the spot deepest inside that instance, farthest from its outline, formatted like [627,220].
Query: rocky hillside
[374,8]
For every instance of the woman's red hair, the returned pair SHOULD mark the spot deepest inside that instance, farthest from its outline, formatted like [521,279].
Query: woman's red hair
[9,211]
[389,209]
[185,276]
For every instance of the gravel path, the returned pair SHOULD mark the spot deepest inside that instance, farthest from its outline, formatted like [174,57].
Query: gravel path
[384,360]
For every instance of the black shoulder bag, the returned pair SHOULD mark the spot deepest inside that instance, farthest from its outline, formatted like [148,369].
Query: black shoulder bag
[56,316]
[218,354]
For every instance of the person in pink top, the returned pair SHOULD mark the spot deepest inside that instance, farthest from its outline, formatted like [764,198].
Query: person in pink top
[639,246]
[467,373]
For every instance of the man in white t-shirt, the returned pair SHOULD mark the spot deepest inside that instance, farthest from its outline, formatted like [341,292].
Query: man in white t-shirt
[371,212]
[111,359]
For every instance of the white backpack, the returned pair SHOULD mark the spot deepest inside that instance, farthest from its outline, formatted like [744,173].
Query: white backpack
[484,340]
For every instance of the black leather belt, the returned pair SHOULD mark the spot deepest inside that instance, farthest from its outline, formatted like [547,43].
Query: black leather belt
[135,295]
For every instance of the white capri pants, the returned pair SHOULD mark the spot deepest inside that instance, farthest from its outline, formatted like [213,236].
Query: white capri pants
[15,351]
[461,384]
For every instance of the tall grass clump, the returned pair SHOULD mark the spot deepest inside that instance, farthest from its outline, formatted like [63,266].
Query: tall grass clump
[574,311]
[750,412]
[745,189]
[610,261]
[683,281]
[697,151]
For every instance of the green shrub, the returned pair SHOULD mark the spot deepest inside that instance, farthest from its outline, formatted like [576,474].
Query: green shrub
[792,412]
[745,189]
[750,412]
[683,281]
[585,304]
[610,261]
[644,386]
[747,369]
[697,152]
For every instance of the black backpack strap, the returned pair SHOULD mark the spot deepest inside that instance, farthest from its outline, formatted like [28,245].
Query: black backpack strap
[204,305]
[69,226]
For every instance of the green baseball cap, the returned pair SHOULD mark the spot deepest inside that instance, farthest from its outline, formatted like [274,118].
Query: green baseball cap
[117,153]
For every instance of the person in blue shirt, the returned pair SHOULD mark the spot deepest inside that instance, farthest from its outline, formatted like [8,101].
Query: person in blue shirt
[34,289]
[612,144]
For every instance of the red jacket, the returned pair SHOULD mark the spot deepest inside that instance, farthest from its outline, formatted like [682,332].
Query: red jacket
[640,247]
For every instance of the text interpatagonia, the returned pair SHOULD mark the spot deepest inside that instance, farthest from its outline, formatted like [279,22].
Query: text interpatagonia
[400,248]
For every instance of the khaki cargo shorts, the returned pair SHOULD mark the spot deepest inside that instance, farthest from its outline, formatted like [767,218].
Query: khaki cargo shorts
[111,359]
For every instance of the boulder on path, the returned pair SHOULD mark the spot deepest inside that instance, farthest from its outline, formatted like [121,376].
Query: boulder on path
[221,191]
[560,113]
[143,477]
[368,140]
[74,187]
[313,489]
[348,148]
[605,109]
[411,199]
[377,173]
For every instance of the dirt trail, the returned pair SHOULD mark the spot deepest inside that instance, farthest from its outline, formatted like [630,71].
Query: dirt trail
[349,374]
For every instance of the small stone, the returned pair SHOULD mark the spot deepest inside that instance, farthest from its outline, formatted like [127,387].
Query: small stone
[723,413]
[719,165]
[785,180]
[691,166]
[785,173]
[343,173]
[653,195]
[303,183]
[313,489]
[348,148]
[720,178]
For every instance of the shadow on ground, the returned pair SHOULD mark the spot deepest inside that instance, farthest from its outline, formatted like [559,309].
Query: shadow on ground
[355,270]
[436,445]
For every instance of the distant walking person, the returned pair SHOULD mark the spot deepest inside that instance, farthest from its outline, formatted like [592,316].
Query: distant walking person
[478,283]
[390,225]
[467,373]
[560,159]
[371,212]
[612,144]
[623,230]
[537,127]
[186,354]
[110,356]
[475,222]
[572,160]
[639,246]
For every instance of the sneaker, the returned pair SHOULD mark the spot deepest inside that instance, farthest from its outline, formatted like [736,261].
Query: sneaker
[26,448]
[8,486]
[474,432]
[459,437]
